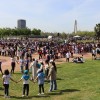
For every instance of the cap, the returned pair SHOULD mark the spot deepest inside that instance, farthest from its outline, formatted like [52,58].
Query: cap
[25,71]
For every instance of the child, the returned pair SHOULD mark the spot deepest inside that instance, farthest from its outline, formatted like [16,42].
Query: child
[6,77]
[40,77]
[25,79]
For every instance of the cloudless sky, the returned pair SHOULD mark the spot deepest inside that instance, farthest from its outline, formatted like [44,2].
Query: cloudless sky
[51,15]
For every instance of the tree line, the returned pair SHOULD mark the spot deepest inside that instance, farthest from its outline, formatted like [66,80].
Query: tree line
[4,32]
[18,32]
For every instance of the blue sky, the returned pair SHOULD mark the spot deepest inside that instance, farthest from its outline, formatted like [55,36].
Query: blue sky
[51,15]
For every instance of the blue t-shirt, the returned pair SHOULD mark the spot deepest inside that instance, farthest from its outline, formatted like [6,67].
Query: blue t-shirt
[38,65]
[25,77]
[41,77]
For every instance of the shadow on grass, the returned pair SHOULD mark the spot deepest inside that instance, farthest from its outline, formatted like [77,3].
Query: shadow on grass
[30,97]
[60,92]
[55,93]
[69,90]
[1,95]
[60,79]
[21,97]
[41,96]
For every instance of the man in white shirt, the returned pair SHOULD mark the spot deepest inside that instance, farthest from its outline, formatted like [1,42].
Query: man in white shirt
[68,54]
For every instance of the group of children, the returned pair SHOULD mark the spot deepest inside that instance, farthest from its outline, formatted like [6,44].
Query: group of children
[40,78]
[25,78]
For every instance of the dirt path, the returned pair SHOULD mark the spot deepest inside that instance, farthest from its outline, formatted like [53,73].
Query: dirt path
[6,61]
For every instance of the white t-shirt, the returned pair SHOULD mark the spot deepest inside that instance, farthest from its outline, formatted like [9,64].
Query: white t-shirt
[21,62]
[13,60]
[68,55]
[6,79]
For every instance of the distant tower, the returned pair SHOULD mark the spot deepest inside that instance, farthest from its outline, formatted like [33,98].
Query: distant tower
[21,23]
[75,27]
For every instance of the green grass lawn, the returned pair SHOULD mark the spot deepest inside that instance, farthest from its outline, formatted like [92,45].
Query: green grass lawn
[75,82]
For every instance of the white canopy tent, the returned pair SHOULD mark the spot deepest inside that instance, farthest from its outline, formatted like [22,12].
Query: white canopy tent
[77,36]
[49,37]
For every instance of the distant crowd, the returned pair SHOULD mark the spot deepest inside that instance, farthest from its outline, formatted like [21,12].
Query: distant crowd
[43,68]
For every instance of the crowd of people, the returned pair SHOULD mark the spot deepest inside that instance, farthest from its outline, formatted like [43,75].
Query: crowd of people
[43,68]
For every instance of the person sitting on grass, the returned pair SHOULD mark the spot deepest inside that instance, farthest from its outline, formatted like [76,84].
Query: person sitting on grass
[78,59]
[40,77]
[25,77]
[6,77]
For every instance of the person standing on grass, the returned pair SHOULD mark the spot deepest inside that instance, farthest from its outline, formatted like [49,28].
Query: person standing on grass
[68,54]
[93,53]
[40,53]
[0,67]
[33,65]
[13,64]
[25,77]
[52,76]
[6,77]
[27,63]
[46,68]
[40,77]
[22,63]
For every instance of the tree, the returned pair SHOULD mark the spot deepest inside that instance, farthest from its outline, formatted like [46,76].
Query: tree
[97,31]
[64,35]
[36,32]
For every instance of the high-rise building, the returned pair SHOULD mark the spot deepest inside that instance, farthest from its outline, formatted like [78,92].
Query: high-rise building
[75,27]
[21,23]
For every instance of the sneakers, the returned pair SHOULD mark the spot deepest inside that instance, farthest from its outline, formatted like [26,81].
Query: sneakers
[39,94]
[23,95]
[42,93]
[6,96]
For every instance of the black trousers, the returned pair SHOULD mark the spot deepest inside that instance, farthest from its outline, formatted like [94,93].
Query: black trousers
[6,89]
[12,67]
[40,56]
[41,87]
[26,88]
[67,59]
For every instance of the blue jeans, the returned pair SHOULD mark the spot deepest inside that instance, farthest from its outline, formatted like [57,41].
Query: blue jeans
[21,67]
[53,85]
